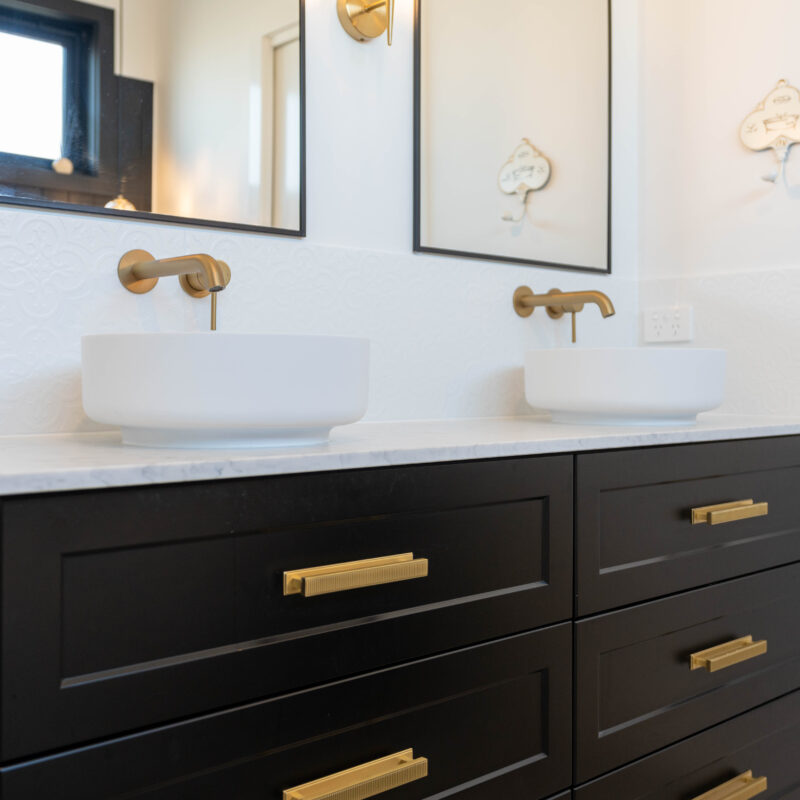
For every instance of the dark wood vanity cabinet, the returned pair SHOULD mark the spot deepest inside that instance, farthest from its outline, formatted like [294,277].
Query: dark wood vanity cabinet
[635,690]
[764,742]
[147,647]
[493,719]
[130,607]
[634,534]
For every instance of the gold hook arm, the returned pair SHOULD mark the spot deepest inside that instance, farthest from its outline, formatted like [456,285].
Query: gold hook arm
[389,20]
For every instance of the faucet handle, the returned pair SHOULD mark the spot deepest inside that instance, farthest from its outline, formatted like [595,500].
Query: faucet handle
[196,283]
[558,311]
[524,303]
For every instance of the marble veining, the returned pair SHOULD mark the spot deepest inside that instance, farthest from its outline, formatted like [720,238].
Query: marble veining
[64,462]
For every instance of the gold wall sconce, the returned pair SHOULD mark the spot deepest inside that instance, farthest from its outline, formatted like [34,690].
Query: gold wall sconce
[367,19]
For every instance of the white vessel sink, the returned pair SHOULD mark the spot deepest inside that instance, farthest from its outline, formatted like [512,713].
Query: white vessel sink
[224,390]
[625,386]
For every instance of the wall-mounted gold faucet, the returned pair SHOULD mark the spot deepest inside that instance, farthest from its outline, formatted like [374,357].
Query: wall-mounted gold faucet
[199,275]
[559,303]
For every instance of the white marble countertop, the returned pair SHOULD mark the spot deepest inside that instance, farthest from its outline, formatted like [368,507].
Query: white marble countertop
[64,462]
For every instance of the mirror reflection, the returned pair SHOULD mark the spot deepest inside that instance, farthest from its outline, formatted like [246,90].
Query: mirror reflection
[155,108]
[512,130]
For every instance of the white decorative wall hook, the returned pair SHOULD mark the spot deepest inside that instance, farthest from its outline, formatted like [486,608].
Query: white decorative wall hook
[774,123]
[528,170]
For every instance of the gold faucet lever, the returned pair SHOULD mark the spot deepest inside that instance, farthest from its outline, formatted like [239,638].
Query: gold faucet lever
[199,274]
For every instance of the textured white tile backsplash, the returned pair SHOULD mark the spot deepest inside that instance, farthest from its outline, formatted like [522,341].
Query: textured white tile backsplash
[754,315]
[446,342]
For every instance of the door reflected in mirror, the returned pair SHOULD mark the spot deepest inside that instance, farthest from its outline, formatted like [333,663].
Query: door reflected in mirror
[176,110]
[512,131]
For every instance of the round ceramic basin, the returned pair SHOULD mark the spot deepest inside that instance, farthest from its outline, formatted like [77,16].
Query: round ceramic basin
[625,386]
[222,389]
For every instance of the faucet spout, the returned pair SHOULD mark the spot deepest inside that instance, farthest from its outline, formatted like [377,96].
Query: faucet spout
[602,301]
[199,274]
[202,271]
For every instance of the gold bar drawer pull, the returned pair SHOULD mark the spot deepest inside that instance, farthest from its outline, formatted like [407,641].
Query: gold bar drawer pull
[354,575]
[728,654]
[367,780]
[742,788]
[728,512]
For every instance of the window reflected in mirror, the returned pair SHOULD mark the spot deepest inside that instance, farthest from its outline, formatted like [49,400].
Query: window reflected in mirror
[34,130]
[156,109]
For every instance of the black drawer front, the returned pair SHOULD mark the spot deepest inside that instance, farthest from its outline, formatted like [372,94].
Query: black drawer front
[635,540]
[126,608]
[635,689]
[765,742]
[493,720]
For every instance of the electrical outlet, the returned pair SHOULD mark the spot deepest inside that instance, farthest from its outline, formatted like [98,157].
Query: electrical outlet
[671,324]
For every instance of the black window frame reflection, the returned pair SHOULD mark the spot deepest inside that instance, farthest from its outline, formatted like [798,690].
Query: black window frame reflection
[24,185]
[78,38]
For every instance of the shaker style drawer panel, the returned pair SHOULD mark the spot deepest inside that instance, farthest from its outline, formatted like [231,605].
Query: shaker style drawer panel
[127,608]
[491,720]
[651,675]
[764,743]
[635,536]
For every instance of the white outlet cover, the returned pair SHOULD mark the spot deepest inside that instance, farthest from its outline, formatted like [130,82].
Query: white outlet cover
[669,324]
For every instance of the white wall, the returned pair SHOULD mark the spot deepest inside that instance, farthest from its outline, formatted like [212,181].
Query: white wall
[714,234]
[360,129]
[446,342]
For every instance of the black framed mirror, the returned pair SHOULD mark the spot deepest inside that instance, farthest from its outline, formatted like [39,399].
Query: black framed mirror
[512,131]
[186,111]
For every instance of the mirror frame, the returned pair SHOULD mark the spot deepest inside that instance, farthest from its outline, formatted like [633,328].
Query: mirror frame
[418,246]
[147,216]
